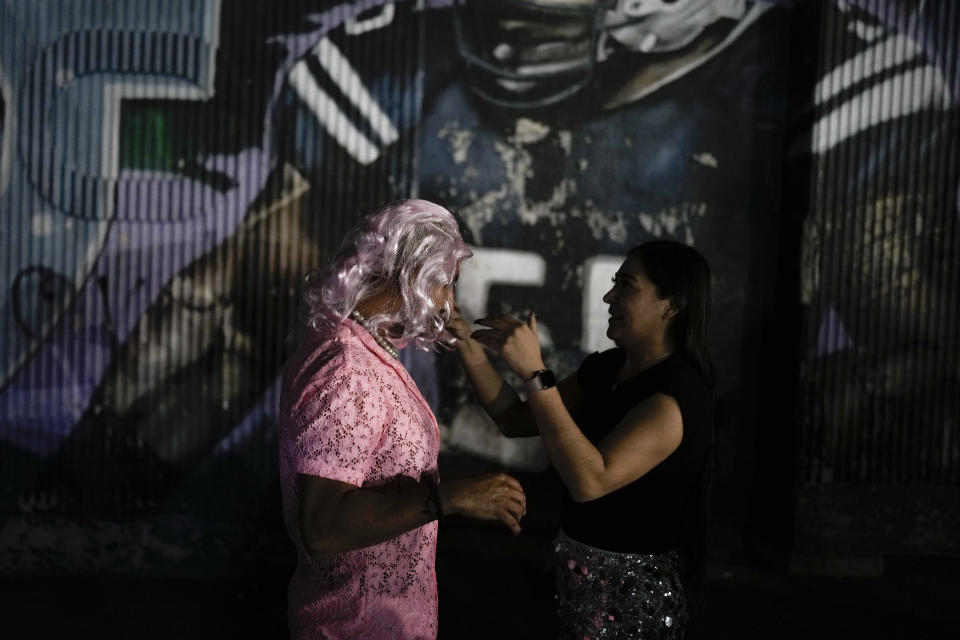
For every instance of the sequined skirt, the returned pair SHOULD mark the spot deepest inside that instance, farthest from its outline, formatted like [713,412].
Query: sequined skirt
[603,594]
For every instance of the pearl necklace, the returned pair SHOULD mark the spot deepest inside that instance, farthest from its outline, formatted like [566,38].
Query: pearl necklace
[389,348]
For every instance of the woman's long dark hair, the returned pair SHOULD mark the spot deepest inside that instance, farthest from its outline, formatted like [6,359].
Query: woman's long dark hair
[681,274]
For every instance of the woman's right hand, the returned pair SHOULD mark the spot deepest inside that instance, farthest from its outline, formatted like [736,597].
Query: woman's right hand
[493,496]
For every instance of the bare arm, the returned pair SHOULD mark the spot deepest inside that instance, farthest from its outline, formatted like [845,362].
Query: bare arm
[501,402]
[337,516]
[649,433]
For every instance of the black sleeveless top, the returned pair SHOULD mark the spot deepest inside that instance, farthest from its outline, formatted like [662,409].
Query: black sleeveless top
[661,510]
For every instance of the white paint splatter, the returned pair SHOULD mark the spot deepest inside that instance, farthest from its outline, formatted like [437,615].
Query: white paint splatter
[674,221]
[42,223]
[527,131]
[600,222]
[706,159]
[481,210]
[459,140]
[566,142]
[511,195]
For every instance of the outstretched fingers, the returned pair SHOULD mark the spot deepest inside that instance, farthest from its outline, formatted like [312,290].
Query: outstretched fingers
[504,323]
[489,338]
[501,327]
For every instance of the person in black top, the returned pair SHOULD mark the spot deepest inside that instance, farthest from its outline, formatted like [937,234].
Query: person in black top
[629,435]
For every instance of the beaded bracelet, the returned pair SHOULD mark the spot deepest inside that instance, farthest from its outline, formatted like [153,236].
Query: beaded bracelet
[434,505]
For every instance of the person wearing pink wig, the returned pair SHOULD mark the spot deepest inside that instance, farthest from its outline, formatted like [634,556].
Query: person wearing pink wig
[358,442]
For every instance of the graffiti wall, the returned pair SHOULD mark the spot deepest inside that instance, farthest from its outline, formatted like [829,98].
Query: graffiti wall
[169,172]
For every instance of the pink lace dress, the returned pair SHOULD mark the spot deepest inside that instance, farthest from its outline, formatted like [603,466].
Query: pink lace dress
[350,412]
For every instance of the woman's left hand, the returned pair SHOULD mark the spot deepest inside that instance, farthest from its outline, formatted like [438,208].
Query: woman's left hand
[514,341]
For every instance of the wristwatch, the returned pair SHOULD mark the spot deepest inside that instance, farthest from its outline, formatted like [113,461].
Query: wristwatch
[543,379]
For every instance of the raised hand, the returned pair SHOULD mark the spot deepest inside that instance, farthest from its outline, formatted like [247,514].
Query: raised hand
[493,496]
[457,325]
[514,341]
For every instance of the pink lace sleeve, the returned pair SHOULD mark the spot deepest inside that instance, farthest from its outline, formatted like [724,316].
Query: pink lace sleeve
[337,421]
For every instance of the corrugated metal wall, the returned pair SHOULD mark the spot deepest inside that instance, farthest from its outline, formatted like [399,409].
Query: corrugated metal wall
[170,169]
[170,172]
[880,403]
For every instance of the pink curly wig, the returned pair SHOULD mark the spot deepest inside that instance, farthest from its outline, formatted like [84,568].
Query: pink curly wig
[414,244]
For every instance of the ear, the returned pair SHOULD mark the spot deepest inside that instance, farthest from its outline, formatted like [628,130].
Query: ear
[669,312]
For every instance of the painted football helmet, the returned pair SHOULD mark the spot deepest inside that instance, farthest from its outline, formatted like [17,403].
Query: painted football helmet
[531,53]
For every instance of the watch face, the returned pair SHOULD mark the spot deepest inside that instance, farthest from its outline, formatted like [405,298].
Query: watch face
[542,380]
[547,379]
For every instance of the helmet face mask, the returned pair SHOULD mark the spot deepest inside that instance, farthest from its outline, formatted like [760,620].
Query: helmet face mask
[534,53]
[523,53]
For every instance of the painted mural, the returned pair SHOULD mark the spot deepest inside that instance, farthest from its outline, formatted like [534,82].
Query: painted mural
[668,127]
[879,405]
[169,171]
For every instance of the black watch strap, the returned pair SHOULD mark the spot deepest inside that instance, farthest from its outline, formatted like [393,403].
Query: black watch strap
[543,379]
